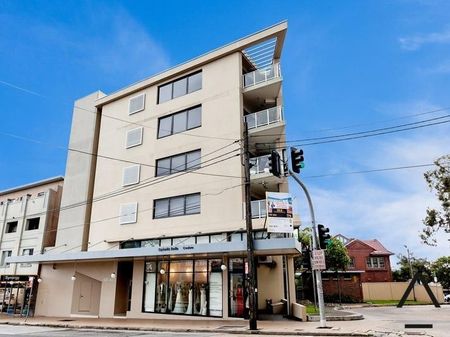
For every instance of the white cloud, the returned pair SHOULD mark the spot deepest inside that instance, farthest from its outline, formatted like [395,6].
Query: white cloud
[417,41]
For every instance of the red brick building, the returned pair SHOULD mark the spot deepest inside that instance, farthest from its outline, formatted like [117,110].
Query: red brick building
[371,257]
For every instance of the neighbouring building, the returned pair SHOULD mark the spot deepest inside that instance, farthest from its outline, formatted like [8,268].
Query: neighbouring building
[28,219]
[152,220]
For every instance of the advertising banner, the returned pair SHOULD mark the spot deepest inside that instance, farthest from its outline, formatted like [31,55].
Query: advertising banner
[279,212]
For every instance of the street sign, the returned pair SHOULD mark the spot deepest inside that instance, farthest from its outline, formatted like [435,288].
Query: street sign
[318,260]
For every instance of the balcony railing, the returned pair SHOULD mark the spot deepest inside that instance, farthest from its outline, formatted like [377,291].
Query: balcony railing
[258,209]
[262,75]
[259,165]
[264,117]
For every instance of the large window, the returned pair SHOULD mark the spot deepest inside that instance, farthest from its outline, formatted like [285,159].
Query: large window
[11,227]
[32,224]
[179,163]
[180,87]
[176,206]
[180,121]
[375,262]
[186,287]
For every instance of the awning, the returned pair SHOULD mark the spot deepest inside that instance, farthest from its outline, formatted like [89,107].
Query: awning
[278,246]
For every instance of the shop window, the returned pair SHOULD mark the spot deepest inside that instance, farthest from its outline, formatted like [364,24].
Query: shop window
[185,287]
[32,224]
[11,227]
[238,306]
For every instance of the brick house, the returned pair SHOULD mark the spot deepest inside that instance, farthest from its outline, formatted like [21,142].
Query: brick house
[371,257]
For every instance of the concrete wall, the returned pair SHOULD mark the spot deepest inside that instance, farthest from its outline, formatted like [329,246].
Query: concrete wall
[395,291]
[270,282]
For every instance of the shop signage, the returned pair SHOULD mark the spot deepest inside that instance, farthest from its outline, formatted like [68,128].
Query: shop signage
[279,212]
[175,248]
[318,260]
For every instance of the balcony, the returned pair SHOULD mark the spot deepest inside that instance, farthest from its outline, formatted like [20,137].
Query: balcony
[258,209]
[264,118]
[259,165]
[262,85]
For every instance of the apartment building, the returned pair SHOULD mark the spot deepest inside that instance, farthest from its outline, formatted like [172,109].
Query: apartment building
[152,219]
[28,218]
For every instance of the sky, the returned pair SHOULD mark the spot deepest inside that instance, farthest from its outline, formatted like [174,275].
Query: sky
[348,66]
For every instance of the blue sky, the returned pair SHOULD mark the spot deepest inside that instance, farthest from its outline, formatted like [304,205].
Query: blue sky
[345,63]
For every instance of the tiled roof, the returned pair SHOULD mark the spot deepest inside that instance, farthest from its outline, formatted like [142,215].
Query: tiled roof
[379,248]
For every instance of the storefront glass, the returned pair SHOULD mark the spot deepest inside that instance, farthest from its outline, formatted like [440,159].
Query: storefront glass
[237,287]
[188,287]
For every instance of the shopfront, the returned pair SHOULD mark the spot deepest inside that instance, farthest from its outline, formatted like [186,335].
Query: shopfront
[16,294]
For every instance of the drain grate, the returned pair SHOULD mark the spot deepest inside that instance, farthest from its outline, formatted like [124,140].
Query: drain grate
[66,320]
[229,327]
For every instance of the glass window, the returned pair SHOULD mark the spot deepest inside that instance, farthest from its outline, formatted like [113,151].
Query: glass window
[176,206]
[195,82]
[381,262]
[193,160]
[180,88]
[11,227]
[5,254]
[179,122]
[163,167]
[165,93]
[161,208]
[195,118]
[178,163]
[165,127]
[193,204]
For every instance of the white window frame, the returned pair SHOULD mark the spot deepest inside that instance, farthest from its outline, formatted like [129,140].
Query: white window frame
[138,176]
[125,222]
[129,104]
[140,141]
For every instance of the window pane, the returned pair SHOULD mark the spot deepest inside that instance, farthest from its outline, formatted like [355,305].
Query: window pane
[179,122]
[195,117]
[165,93]
[193,160]
[178,163]
[165,127]
[195,82]
[193,204]
[176,206]
[180,87]
[161,208]
[163,167]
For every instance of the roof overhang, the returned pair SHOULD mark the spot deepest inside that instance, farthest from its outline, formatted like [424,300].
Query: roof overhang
[277,31]
[281,246]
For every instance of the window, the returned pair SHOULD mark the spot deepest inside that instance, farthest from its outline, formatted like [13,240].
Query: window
[134,137]
[131,175]
[178,163]
[176,206]
[11,227]
[32,224]
[128,213]
[136,104]
[375,262]
[27,251]
[5,254]
[352,262]
[180,121]
[180,87]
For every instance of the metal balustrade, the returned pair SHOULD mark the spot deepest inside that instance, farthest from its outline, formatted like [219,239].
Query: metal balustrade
[264,117]
[262,75]
[259,165]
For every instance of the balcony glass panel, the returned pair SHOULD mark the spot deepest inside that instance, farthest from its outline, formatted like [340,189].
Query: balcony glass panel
[258,208]
[259,165]
[265,117]
[261,75]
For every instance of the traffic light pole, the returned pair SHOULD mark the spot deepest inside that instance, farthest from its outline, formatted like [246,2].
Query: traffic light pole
[251,272]
[317,273]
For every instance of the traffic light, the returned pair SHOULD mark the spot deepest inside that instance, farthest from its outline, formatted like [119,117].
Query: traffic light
[324,237]
[297,159]
[306,259]
[274,164]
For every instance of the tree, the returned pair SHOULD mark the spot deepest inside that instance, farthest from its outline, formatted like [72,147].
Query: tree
[441,269]
[403,274]
[438,180]
[337,259]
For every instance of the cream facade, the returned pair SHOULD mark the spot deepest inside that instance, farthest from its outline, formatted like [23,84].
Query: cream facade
[152,220]
[28,218]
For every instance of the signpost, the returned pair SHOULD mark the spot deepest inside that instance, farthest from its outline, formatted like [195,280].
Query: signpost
[318,260]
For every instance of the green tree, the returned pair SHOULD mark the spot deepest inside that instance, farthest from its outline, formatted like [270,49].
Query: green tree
[441,269]
[403,273]
[337,259]
[438,180]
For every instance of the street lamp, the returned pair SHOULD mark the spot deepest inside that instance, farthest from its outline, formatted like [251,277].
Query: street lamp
[411,271]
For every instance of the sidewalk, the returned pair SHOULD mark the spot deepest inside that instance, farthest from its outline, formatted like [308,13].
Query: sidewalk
[285,327]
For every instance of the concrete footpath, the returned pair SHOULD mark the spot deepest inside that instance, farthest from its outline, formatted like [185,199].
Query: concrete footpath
[282,327]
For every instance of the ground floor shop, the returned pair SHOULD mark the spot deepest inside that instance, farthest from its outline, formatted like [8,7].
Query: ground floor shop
[191,280]
[17,294]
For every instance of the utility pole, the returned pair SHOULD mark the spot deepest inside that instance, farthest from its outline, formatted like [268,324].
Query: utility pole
[251,273]
[410,270]
[318,274]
